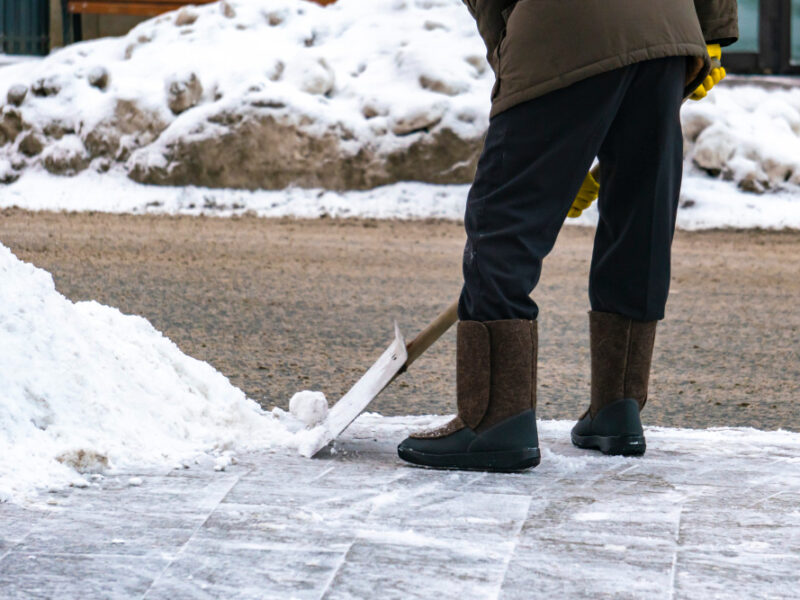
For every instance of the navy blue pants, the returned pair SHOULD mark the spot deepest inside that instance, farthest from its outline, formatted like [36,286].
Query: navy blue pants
[534,160]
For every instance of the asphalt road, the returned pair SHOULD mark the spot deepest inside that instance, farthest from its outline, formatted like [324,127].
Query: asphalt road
[282,305]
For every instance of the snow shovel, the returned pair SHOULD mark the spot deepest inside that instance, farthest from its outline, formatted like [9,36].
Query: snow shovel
[394,361]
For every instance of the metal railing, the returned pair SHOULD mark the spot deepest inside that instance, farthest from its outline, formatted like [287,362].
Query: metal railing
[772,52]
[25,27]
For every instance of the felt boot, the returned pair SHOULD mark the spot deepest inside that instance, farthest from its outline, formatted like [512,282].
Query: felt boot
[622,350]
[495,428]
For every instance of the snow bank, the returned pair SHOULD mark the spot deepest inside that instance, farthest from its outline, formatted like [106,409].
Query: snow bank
[261,93]
[748,135]
[85,389]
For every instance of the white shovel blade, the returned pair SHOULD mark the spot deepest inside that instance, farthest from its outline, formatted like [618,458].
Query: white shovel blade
[362,393]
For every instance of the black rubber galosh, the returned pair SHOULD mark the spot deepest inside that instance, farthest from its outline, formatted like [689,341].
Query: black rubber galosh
[511,445]
[623,445]
[616,430]
[508,461]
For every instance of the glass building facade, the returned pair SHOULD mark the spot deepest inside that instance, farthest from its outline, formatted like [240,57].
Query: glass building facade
[796,32]
[748,26]
[779,52]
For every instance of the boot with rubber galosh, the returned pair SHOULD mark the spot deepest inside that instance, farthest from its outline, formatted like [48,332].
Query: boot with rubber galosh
[495,428]
[622,351]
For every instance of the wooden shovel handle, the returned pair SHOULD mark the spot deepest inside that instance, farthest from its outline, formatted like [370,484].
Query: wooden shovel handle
[431,333]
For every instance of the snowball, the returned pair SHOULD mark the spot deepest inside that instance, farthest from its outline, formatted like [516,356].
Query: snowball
[310,407]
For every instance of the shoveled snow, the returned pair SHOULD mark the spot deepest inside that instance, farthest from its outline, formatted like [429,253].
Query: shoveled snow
[85,389]
[310,407]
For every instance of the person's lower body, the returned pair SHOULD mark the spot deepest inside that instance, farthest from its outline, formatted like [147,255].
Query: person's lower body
[535,158]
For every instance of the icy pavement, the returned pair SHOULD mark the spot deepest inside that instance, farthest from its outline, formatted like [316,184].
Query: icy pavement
[705,514]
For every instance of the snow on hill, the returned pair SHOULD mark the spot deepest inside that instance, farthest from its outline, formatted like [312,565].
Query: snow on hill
[746,134]
[261,94]
[85,389]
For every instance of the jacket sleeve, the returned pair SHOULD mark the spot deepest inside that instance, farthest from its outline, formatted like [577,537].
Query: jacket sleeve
[489,16]
[719,20]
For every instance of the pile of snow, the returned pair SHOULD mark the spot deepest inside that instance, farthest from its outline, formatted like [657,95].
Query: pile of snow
[85,389]
[261,94]
[747,135]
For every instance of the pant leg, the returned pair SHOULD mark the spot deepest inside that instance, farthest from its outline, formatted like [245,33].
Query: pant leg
[641,163]
[534,160]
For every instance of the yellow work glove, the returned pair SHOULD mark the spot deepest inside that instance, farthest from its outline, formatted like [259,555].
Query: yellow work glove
[586,195]
[716,75]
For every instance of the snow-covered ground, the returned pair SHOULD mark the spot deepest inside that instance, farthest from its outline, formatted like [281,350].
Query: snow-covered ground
[704,514]
[706,203]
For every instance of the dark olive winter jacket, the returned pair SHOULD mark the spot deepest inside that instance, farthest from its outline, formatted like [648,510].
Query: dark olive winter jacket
[537,46]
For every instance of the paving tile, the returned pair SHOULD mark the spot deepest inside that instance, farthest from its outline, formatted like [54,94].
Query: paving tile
[241,571]
[471,518]
[77,577]
[418,568]
[281,467]
[557,568]
[607,539]
[298,521]
[750,572]
[337,472]
[721,522]
[172,494]
[16,522]
[720,471]
[706,514]
[112,532]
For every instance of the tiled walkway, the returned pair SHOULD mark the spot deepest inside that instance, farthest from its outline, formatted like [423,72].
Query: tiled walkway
[705,514]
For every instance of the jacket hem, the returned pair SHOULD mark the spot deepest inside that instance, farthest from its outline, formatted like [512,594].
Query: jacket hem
[503,103]
[723,31]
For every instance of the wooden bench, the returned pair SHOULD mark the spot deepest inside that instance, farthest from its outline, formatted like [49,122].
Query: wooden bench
[71,11]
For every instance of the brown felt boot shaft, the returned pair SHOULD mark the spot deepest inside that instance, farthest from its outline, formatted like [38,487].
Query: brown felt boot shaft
[473,371]
[622,350]
[513,370]
[495,374]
